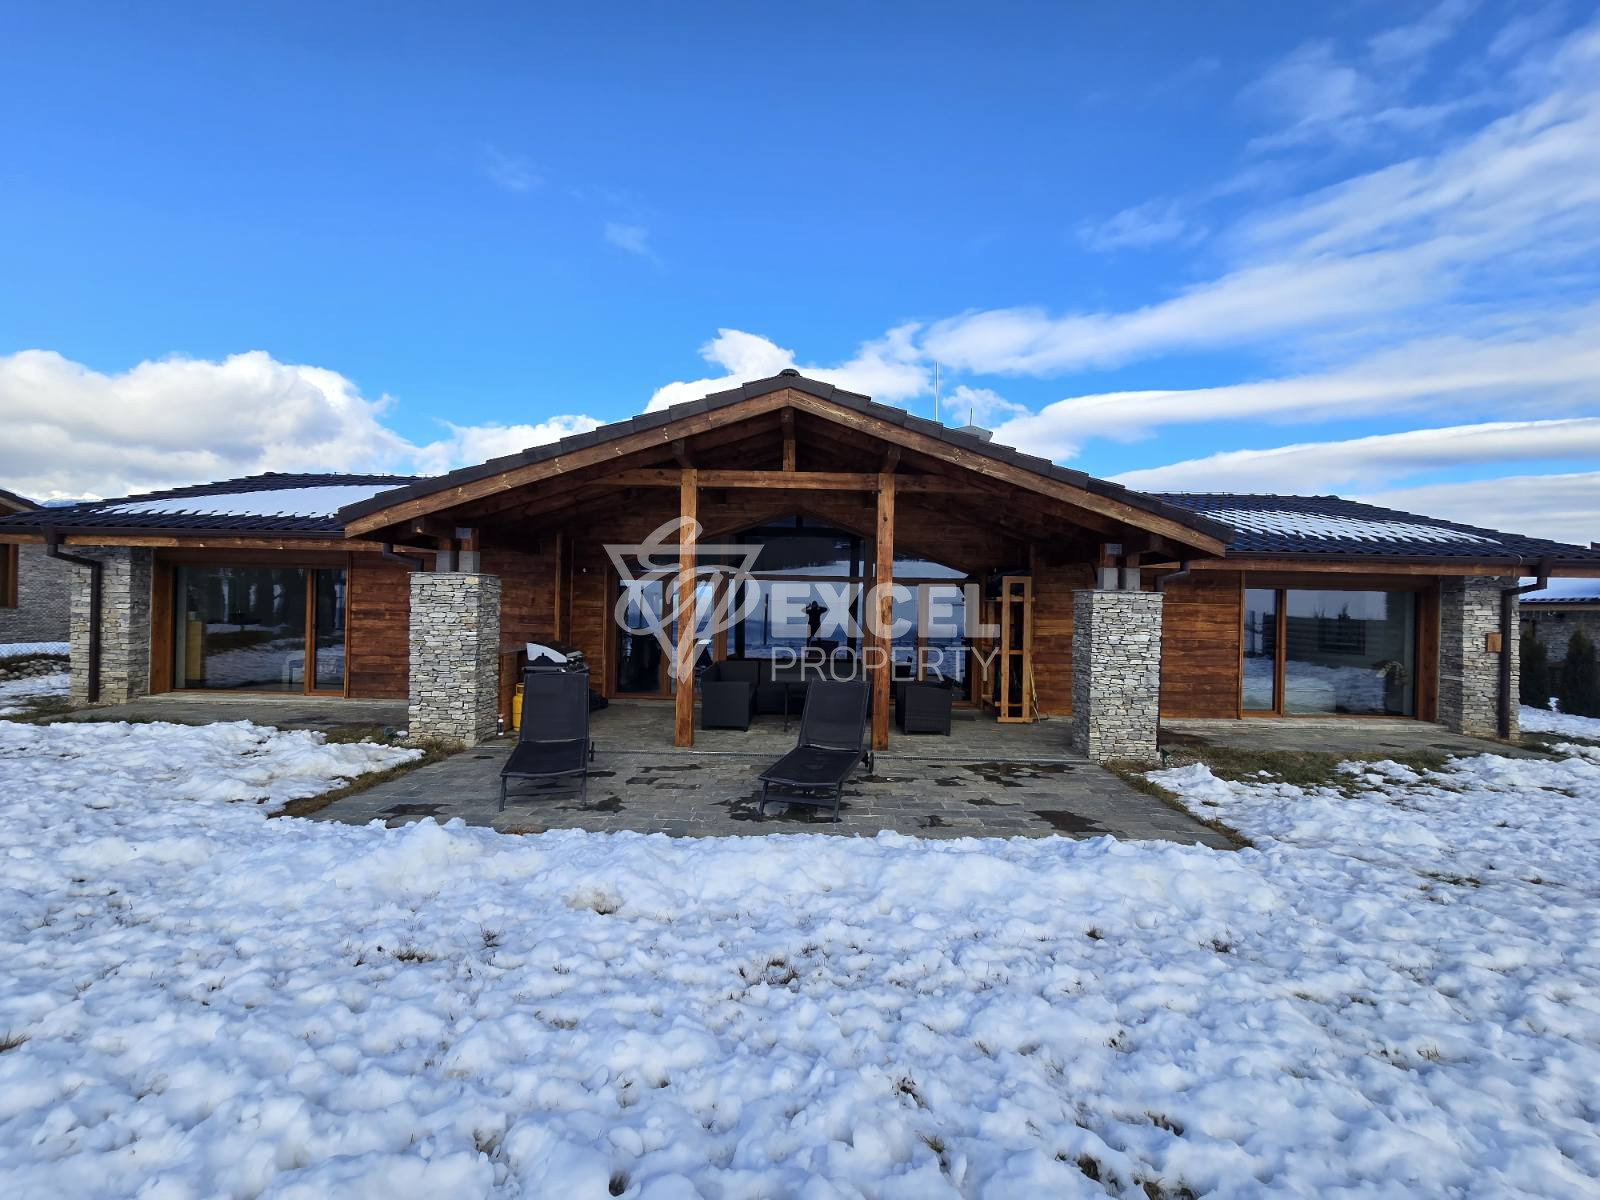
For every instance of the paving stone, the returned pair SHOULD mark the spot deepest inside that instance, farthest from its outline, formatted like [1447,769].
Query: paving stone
[711,791]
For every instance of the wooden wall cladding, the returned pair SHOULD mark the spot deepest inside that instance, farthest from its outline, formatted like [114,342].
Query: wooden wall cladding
[1053,585]
[1201,624]
[378,616]
[527,591]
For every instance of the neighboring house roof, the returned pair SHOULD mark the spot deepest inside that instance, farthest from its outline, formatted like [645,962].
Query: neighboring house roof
[10,502]
[1564,591]
[968,442]
[1329,525]
[270,503]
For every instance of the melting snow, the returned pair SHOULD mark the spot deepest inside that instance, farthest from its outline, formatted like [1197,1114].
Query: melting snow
[1398,992]
[1318,525]
[18,695]
[1547,720]
[265,502]
[27,649]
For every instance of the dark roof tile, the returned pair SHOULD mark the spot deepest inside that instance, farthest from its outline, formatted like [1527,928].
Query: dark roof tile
[214,507]
[1331,525]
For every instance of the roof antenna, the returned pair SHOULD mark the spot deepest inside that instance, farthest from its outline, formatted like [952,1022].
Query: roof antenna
[936,389]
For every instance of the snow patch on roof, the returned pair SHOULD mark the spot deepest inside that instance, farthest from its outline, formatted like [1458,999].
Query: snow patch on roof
[1355,529]
[264,502]
[1563,591]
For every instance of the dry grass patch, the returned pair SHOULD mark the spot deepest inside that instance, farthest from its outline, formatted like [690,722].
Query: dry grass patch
[1138,779]
[433,750]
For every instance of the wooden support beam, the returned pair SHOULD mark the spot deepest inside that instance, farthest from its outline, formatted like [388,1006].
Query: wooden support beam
[789,450]
[680,451]
[688,506]
[891,460]
[1082,498]
[818,481]
[883,553]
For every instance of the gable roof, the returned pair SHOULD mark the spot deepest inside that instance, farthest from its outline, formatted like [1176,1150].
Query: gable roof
[961,439]
[10,502]
[1332,526]
[270,503]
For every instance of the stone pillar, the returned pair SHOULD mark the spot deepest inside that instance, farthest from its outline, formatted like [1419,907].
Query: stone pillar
[1116,675]
[1469,672]
[455,655]
[125,582]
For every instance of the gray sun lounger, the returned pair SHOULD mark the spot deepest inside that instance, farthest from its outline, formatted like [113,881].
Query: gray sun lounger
[553,742]
[832,744]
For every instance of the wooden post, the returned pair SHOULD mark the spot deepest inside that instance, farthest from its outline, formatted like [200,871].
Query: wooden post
[688,506]
[788,439]
[884,556]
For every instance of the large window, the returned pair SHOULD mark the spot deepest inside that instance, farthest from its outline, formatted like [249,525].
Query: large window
[1330,652]
[260,629]
[805,593]
[1260,650]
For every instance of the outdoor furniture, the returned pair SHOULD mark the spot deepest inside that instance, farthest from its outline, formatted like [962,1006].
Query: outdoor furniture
[832,743]
[728,694]
[923,706]
[553,742]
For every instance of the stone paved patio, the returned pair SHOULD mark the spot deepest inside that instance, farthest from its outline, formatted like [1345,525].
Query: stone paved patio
[1332,735]
[986,780]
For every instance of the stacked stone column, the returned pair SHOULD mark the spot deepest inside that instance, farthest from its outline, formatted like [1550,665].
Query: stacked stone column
[126,578]
[455,656]
[1469,672]
[1116,675]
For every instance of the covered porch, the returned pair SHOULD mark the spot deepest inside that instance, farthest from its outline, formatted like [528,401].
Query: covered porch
[659,546]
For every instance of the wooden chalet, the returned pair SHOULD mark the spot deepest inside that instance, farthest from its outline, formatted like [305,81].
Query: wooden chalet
[381,586]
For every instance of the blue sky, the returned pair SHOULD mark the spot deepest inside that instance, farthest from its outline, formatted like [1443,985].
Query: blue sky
[1352,247]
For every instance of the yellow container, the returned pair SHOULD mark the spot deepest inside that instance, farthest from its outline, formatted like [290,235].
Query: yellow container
[516,708]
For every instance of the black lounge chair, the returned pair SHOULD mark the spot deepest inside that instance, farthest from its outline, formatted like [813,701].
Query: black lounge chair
[832,744]
[553,742]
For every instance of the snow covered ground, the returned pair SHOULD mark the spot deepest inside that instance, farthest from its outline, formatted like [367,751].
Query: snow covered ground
[20,695]
[1398,993]
[28,649]
[1544,720]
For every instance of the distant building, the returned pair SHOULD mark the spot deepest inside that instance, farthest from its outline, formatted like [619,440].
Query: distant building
[1555,612]
[34,588]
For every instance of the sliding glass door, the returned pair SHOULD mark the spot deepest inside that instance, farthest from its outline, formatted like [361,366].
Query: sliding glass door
[1329,652]
[260,629]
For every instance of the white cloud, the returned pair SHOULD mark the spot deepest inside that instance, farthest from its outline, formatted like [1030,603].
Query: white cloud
[1517,374]
[1484,216]
[635,239]
[978,406]
[1312,86]
[1565,508]
[479,443]
[891,368]
[513,172]
[1406,43]
[1138,228]
[1376,460]
[71,431]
